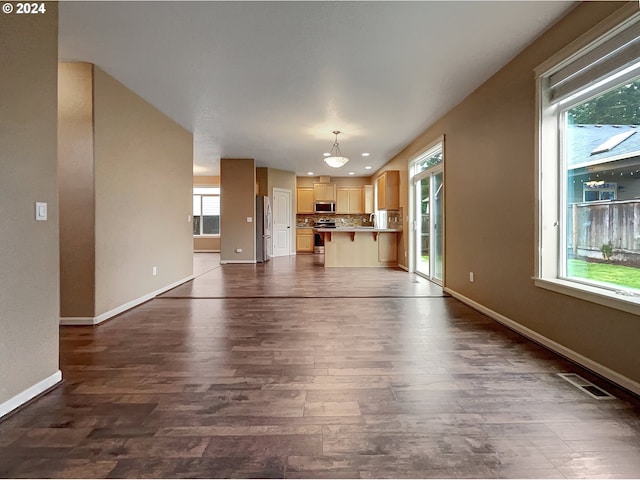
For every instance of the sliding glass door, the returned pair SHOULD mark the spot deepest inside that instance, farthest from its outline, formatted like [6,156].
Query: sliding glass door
[423,227]
[428,214]
[437,226]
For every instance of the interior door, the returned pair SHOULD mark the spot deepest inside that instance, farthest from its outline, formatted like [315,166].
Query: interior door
[281,236]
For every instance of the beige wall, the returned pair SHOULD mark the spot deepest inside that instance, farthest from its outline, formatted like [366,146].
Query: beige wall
[206,180]
[76,189]
[238,201]
[490,207]
[29,277]
[280,179]
[143,196]
[206,244]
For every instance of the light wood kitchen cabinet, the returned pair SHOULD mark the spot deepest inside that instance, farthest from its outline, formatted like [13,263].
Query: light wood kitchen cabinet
[349,200]
[304,202]
[388,186]
[324,192]
[304,240]
[369,207]
[387,247]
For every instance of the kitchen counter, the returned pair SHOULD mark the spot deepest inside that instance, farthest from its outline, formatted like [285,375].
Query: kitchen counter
[360,246]
[357,229]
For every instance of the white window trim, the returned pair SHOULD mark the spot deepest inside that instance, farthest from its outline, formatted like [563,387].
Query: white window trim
[548,215]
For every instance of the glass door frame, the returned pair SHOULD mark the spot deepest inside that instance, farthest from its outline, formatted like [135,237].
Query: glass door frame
[415,212]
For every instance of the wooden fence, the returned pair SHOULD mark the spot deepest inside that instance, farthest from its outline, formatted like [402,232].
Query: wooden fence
[594,224]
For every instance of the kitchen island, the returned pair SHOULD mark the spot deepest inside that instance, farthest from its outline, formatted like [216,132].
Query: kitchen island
[360,246]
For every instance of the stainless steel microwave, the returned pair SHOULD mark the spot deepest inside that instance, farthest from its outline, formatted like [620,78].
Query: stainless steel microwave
[324,207]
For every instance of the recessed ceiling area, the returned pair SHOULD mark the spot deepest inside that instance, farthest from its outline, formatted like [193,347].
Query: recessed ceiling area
[272,80]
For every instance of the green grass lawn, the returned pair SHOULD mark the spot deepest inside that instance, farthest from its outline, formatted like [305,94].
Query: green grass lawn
[603,272]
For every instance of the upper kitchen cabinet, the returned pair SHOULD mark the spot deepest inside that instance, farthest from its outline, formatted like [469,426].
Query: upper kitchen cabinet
[324,192]
[369,206]
[349,200]
[304,200]
[388,187]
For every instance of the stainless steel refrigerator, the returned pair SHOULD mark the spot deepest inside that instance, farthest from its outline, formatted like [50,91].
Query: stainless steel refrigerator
[263,229]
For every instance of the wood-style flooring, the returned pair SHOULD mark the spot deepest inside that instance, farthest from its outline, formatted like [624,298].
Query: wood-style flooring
[288,370]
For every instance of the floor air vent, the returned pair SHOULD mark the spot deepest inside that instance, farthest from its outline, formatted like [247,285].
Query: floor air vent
[586,386]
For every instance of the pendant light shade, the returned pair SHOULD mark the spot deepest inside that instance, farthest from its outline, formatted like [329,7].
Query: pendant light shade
[335,158]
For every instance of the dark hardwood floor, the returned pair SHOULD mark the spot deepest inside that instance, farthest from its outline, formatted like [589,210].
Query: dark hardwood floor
[286,370]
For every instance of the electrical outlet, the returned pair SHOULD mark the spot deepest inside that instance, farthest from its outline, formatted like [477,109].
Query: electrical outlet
[238,250]
[472,277]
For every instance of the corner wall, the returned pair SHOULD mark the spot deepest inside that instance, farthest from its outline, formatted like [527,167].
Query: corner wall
[76,190]
[237,203]
[143,197]
[490,211]
[29,277]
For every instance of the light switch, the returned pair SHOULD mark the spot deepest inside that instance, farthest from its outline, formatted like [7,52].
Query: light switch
[41,211]
[249,219]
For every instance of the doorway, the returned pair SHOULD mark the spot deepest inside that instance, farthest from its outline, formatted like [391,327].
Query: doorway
[281,235]
[427,214]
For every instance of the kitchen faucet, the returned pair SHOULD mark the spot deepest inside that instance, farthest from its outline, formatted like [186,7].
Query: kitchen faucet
[372,218]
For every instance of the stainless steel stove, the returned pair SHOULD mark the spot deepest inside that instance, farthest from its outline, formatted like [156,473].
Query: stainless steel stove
[325,224]
[318,240]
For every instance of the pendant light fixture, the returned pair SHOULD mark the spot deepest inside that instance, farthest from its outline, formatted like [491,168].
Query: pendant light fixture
[335,158]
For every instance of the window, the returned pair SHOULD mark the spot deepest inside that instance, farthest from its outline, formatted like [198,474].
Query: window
[589,168]
[598,190]
[429,159]
[206,210]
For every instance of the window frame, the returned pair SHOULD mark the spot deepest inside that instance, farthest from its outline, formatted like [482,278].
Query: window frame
[201,195]
[550,174]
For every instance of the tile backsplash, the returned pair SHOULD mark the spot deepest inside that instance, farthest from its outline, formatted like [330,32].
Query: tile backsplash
[346,220]
[342,220]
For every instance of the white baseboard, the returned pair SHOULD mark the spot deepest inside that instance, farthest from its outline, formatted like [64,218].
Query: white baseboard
[30,393]
[534,336]
[206,251]
[225,262]
[122,308]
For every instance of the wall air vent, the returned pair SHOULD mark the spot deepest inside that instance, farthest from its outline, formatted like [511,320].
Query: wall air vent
[587,387]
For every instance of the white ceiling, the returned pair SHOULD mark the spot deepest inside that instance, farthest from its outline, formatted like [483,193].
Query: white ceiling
[271,80]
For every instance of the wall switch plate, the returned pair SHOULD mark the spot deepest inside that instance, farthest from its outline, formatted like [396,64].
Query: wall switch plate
[238,250]
[249,219]
[188,218]
[154,271]
[472,277]
[41,211]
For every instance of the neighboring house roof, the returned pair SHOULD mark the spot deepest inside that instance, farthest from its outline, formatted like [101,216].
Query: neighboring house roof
[597,144]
